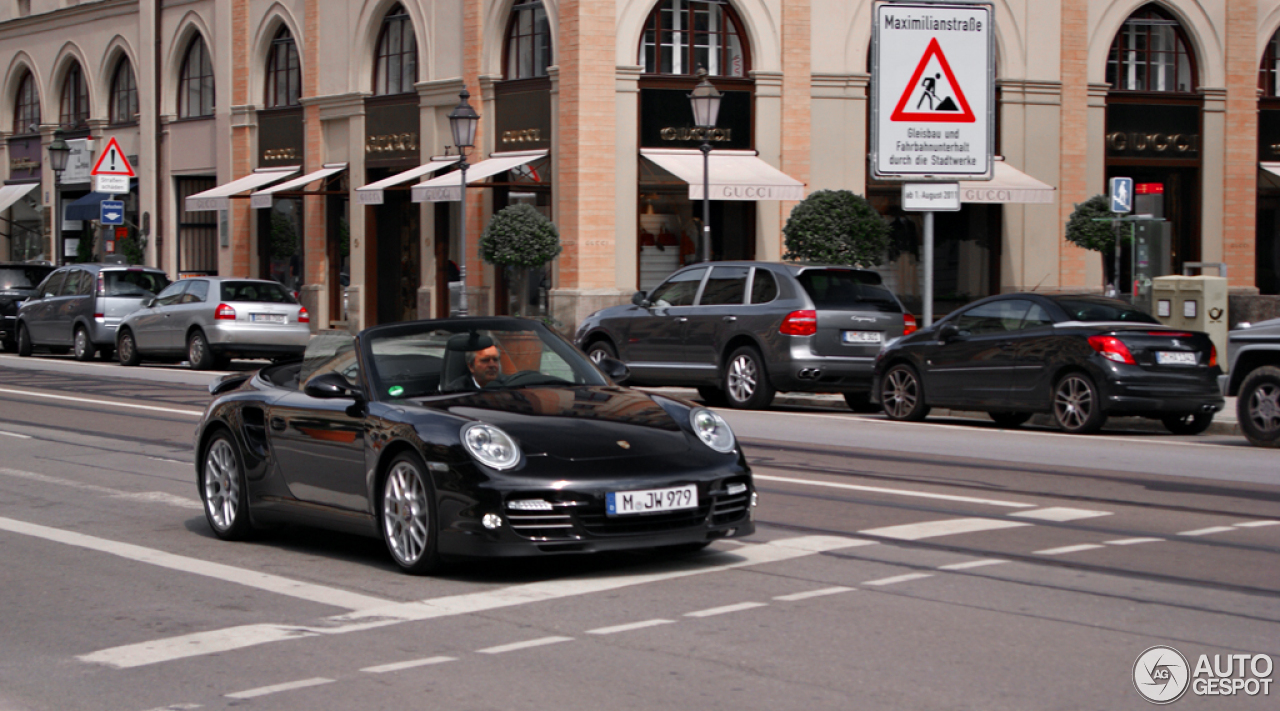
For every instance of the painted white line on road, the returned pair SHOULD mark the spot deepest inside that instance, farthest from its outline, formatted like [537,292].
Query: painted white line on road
[15,434]
[629,626]
[1069,549]
[946,527]
[972,564]
[726,609]
[1255,524]
[108,403]
[898,579]
[1133,541]
[412,664]
[1207,531]
[277,688]
[226,639]
[813,593]
[516,646]
[1060,514]
[158,497]
[894,492]
[176,707]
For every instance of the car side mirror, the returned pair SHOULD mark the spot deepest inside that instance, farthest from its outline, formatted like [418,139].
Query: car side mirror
[148,302]
[330,386]
[948,332]
[617,371]
[640,299]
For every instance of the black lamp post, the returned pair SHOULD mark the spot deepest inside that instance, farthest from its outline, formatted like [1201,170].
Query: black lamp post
[705,100]
[462,122]
[59,151]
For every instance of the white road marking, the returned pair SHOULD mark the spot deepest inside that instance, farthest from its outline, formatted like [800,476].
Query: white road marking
[1069,549]
[813,593]
[946,527]
[1207,531]
[15,434]
[277,688]
[972,564]
[516,646]
[898,579]
[894,492]
[1060,514]
[412,664]
[158,497]
[1133,541]
[1255,524]
[226,639]
[108,403]
[629,626]
[176,707]
[726,609]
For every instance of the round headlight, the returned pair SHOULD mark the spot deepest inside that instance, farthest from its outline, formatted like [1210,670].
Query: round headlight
[490,445]
[711,429]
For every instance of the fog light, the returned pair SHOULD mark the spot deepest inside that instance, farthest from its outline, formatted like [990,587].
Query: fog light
[492,521]
[735,489]
[755,499]
[529,505]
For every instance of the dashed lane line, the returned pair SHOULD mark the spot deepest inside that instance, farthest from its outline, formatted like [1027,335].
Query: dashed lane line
[822,592]
[1255,524]
[894,492]
[969,564]
[277,688]
[411,664]
[15,434]
[1060,514]
[107,403]
[1207,531]
[1134,541]
[527,644]
[725,609]
[898,579]
[1063,550]
[630,626]
[945,527]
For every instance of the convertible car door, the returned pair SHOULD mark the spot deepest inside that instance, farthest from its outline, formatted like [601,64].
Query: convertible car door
[975,367]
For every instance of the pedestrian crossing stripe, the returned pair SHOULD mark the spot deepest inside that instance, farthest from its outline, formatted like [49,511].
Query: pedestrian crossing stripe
[946,109]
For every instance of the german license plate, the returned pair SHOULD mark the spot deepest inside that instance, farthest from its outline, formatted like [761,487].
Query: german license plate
[267,318]
[621,503]
[862,336]
[1175,358]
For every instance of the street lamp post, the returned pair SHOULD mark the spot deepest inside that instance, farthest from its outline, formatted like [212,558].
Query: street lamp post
[59,151]
[705,100]
[462,122]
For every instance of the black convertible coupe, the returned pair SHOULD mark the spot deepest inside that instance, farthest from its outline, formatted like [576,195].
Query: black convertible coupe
[467,437]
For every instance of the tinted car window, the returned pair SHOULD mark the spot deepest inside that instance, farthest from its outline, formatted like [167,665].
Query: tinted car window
[1037,317]
[764,288]
[118,282]
[53,283]
[197,293]
[994,317]
[1099,310]
[171,294]
[72,285]
[847,289]
[727,285]
[22,277]
[679,290]
[256,291]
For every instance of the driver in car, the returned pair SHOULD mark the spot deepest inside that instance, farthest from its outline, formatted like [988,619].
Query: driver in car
[485,368]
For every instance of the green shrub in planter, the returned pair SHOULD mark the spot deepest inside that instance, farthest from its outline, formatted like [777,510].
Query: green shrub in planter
[519,236]
[836,227]
[1084,228]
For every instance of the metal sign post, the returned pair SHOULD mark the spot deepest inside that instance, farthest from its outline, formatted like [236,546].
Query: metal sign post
[1121,190]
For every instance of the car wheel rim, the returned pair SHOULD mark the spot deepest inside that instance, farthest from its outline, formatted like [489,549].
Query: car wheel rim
[1264,408]
[742,378]
[597,355]
[195,354]
[221,485]
[81,343]
[126,348]
[1073,403]
[405,517]
[900,393]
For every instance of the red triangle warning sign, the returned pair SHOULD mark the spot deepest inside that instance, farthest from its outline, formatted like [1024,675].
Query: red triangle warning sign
[113,162]
[927,100]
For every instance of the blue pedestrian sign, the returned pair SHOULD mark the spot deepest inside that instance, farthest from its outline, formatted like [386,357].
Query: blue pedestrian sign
[113,212]
[1122,195]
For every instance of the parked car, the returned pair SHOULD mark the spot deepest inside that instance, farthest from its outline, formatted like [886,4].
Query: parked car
[391,434]
[741,331]
[206,321]
[1253,378]
[1079,357]
[18,282]
[79,306]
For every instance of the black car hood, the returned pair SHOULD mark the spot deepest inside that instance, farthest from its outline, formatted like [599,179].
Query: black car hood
[579,423]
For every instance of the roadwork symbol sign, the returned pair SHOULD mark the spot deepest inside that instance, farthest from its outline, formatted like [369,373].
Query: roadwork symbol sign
[933,94]
[113,162]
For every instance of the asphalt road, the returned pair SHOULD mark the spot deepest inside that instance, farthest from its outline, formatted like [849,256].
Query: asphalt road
[941,565]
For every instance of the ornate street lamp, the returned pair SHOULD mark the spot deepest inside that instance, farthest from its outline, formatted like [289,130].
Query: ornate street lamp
[462,122]
[705,100]
[59,151]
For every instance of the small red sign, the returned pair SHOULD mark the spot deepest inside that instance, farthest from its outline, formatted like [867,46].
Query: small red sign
[113,161]
[1148,189]
[122,232]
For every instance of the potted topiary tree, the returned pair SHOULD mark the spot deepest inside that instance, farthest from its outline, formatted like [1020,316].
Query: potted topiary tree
[519,238]
[1090,227]
[836,227]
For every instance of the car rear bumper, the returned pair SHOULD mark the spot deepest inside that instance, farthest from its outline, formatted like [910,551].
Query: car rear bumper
[246,339]
[818,374]
[1159,396]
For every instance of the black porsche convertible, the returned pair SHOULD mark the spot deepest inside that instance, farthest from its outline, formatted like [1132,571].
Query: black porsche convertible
[467,437]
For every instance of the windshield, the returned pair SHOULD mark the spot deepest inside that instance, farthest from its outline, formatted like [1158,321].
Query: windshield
[847,289]
[24,277]
[429,358]
[118,282]
[1103,311]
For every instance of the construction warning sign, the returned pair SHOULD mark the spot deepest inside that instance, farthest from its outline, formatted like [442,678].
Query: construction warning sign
[933,92]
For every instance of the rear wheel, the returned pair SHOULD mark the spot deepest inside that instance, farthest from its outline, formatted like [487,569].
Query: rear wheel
[199,357]
[902,394]
[1009,420]
[746,384]
[127,349]
[1076,406]
[222,487]
[1258,407]
[1188,423]
[24,341]
[409,515]
[601,349]
[83,348]
[861,402]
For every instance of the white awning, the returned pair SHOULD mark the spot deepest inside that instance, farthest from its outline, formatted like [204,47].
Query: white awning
[731,175]
[10,194]
[371,194]
[1007,184]
[1272,168]
[219,198]
[266,196]
[447,188]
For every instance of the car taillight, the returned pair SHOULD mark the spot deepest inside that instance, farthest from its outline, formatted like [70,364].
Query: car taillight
[1111,348]
[799,323]
[303,316]
[1213,355]
[224,313]
[102,285]
[908,324]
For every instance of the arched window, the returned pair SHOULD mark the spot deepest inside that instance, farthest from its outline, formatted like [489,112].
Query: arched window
[75,100]
[124,94]
[682,35]
[528,41]
[396,68]
[195,84]
[1150,54]
[1269,72]
[26,112]
[284,77]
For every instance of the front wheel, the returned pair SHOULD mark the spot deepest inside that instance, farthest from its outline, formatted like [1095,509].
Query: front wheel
[746,384]
[1189,423]
[199,357]
[1258,407]
[600,350]
[24,341]
[127,349]
[1077,408]
[83,348]
[902,394]
[409,515]
[224,491]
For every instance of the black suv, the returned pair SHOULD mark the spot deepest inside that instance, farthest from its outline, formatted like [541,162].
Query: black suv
[18,282]
[741,331]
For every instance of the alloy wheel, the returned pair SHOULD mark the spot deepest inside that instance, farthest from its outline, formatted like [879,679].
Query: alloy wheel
[406,518]
[901,393]
[222,485]
[1264,409]
[1076,407]
[744,377]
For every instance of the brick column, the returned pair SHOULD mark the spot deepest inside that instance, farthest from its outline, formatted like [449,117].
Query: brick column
[315,245]
[1240,162]
[797,98]
[1073,182]
[241,138]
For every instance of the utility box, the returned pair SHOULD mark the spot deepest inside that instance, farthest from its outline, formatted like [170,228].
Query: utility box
[1196,303]
[1151,258]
